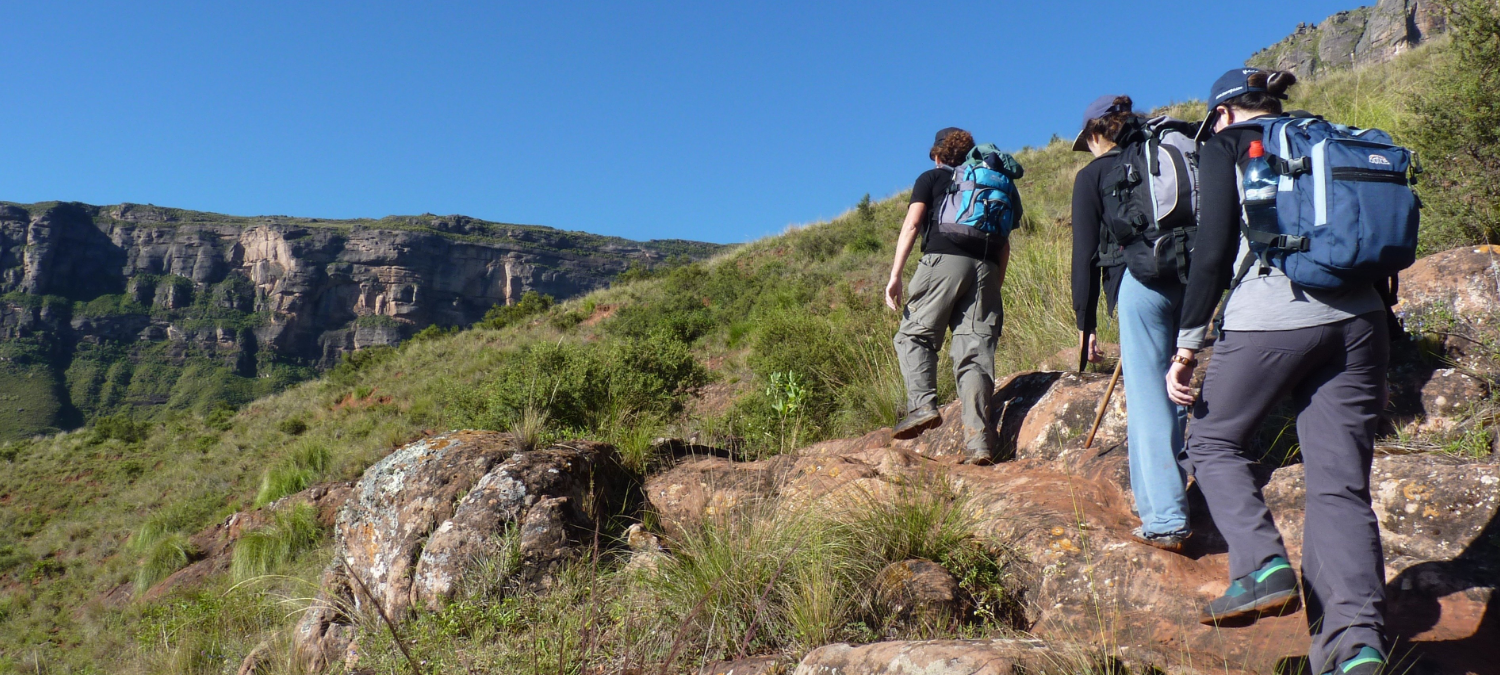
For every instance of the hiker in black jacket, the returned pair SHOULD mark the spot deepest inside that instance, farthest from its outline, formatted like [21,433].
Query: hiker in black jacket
[1148,310]
[1327,350]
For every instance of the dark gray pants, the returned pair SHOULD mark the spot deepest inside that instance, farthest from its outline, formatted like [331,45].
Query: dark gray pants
[1336,376]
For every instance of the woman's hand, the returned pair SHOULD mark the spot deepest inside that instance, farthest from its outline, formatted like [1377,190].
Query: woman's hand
[1090,342]
[1180,380]
[893,293]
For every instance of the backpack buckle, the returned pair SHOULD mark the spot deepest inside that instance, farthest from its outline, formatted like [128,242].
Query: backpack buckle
[1292,167]
[1292,243]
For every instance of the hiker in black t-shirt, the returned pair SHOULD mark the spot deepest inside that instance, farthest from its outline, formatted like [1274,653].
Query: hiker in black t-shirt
[956,286]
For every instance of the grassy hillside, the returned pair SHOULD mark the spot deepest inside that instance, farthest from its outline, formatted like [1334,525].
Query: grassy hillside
[704,348]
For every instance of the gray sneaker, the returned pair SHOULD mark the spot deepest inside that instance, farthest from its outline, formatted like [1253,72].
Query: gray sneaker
[916,422]
[1271,590]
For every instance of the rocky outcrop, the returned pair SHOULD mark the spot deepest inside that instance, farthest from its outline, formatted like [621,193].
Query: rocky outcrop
[919,593]
[938,657]
[1067,512]
[94,295]
[418,520]
[309,282]
[1362,36]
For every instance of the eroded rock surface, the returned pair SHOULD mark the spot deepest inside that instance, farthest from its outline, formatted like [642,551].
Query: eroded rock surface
[418,519]
[1067,512]
[1362,36]
[919,593]
[932,657]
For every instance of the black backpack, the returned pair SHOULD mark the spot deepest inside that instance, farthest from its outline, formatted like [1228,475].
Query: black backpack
[1151,201]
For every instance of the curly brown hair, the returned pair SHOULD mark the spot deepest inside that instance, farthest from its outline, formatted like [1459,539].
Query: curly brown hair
[1108,127]
[953,148]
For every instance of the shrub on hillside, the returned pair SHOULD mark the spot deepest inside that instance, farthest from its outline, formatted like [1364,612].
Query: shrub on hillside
[530,304]
[345,373]
[121,428]
[583,387]
[1456,129]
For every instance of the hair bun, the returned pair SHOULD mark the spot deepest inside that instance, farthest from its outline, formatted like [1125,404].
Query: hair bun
[1278,82]
[1123,104]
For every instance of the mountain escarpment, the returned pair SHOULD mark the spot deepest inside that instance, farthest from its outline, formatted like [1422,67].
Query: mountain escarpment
[1358,37]
[107,308]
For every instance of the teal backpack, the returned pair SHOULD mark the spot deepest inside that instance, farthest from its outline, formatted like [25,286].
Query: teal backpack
[982,204]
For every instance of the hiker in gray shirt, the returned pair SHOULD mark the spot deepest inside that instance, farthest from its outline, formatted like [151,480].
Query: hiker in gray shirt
[956,285]
[1328,351]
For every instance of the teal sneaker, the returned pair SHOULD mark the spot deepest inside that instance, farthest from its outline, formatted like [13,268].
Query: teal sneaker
[1269,591]
[1367,662]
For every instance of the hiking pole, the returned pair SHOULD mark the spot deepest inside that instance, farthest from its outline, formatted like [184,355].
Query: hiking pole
[1104,405]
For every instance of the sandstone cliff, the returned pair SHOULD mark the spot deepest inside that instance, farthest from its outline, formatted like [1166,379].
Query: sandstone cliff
[1360,36]
[104,306]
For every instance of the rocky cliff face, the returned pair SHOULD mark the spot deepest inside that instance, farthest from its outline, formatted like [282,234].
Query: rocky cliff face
[169,286]
[1357,37]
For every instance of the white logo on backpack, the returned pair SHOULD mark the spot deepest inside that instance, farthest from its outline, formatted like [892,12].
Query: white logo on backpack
[1377,159]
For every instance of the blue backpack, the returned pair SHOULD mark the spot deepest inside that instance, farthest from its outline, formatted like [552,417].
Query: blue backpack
[982,202]
[1345,210]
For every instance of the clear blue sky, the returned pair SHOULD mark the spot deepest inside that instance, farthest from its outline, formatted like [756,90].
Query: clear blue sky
[720,121]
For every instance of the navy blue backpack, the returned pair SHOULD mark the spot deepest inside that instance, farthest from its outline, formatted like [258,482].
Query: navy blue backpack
[1345,210]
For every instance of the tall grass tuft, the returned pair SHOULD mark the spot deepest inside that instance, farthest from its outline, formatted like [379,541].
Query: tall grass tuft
[291,531]
[931,518]
[160,558]
[755,583]
[294,473]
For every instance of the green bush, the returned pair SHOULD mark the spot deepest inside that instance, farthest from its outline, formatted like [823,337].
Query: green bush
[1456,129]
[109,305]
[267,549]
[530,304]
[121,428]
[219,418]
[584,387]
[357,361]
[292,426]
[432,332]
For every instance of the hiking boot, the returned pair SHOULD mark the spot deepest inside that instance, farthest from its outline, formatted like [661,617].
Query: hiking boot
[979,458]
[1172,542]
[1367,662]
[1269,591]
[916,422]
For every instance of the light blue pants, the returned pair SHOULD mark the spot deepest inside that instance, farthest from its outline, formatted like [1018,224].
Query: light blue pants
[1148,337]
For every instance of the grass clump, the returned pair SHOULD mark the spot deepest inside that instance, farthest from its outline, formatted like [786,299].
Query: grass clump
[161,557]
[262,551]
[294,473]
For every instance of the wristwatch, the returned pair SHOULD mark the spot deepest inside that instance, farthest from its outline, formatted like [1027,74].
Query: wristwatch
[1188,361]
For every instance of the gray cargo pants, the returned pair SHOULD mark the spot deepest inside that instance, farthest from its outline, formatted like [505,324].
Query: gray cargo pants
[961,293]
[1336,376]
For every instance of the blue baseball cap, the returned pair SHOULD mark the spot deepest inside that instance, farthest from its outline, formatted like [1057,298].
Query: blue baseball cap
[1101,106]
[1235,82]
